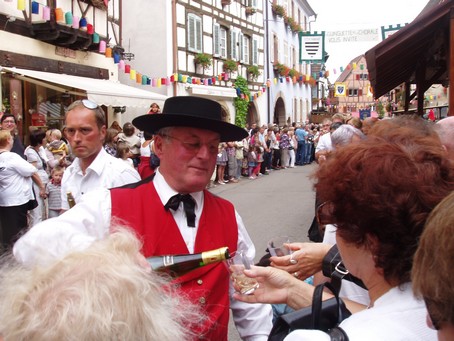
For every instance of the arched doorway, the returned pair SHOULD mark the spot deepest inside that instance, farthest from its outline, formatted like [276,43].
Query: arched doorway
[252,116]
[279,112]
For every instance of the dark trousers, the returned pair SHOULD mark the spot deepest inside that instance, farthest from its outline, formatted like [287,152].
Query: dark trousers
[300,152]
[13,219]
[276,162]
[266,164]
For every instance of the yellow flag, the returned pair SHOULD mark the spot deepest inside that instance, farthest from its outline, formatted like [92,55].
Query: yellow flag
[340,89]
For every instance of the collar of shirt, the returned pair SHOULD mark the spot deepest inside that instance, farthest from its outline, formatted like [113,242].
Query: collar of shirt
[96,166]
[165,192]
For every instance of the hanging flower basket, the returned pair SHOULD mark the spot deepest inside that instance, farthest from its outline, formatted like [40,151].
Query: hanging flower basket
[278,10]
[226,2]
[250,10]
[253,71]
[202,59]
[230,65]
[101,4]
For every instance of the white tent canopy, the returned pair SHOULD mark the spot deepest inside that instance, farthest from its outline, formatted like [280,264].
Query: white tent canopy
[100,91]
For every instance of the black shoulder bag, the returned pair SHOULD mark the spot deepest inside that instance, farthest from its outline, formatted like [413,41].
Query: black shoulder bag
[322,315]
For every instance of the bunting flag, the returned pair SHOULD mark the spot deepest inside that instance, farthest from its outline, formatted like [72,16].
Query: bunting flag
[340,89]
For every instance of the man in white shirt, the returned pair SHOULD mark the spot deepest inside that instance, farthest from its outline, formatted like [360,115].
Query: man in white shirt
[187,135]
[93,167]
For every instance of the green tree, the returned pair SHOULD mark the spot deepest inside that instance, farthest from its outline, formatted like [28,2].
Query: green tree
[241,104]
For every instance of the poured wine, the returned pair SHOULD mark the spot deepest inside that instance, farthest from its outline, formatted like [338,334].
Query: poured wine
[177,265]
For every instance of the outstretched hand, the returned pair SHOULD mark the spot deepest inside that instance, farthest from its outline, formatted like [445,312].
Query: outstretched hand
[273,285]
[277,286]
[308,257]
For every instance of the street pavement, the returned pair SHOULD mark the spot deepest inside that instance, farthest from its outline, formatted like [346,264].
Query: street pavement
[281,203]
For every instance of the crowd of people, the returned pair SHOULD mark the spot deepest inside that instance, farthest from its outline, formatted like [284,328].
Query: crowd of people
[383,191]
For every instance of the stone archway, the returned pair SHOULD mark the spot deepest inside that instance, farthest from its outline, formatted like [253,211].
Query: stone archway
[279,112]
[252,116]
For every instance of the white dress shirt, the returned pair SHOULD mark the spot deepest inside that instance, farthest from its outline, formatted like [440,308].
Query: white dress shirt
[105,171]
[15,180]
[324,143]
[88,221]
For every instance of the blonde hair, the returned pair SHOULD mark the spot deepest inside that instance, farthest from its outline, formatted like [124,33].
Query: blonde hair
[100,293]
[5,136]
[56,134]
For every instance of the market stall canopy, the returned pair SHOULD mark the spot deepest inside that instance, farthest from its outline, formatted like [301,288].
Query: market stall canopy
[419,53]
[100,91]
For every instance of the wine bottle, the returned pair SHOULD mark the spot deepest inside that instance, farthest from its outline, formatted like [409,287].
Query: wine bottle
[70,198]
[177,265]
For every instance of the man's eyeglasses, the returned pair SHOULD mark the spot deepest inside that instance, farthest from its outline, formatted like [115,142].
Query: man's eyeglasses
[9,122]
[195,146]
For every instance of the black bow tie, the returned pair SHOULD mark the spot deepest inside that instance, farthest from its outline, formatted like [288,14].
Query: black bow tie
[188,205]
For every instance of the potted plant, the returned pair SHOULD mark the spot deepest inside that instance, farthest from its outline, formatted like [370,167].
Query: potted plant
[253,71]
[226,2]
[203,59]
[295,27]
[230,65]
[250,10]
[278,10]
[293,72]
[281,69]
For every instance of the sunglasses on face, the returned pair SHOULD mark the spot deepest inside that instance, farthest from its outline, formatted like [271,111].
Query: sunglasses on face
[324,213]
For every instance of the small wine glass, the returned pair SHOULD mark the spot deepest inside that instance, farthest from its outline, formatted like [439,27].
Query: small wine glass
[241,283]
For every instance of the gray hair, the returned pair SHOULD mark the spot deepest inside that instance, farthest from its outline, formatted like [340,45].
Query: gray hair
[100,293]
[344,134]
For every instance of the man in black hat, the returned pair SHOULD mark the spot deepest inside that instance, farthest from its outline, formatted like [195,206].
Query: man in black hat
[171,212]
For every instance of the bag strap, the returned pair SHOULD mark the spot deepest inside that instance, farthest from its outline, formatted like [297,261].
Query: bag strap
[317,299]
[333,267]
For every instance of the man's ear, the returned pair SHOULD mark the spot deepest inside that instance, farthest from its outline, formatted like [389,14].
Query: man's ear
[158,145]
[103,132]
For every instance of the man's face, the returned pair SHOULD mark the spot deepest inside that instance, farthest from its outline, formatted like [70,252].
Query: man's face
[188,157]
[9,124]
[83,134]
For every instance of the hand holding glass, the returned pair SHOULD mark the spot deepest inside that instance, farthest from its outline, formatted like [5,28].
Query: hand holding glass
[277,248]
[236,265]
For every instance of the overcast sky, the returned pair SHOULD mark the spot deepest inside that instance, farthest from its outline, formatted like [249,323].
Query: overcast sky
[340,15]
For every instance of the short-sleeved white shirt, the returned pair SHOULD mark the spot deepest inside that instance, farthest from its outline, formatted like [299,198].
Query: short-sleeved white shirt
[105,171]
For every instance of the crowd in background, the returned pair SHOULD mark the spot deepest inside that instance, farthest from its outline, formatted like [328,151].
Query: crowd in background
[270,147]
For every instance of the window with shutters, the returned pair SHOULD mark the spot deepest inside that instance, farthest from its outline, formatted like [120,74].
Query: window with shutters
[246,46]
[194,28]
[275,49]
[220,41]
[352,92]
[235,44]
[286,60]
[255,51]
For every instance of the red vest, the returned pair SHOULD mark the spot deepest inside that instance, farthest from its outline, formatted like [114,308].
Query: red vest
[208,286]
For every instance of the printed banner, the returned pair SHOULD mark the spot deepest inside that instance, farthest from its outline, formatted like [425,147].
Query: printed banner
[312,47]
[340,89]
[353,36]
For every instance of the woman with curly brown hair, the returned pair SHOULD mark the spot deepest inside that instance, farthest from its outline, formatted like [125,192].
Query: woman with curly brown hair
[378,193]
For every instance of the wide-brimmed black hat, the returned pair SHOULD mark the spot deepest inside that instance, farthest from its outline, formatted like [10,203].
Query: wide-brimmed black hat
[195,112]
